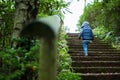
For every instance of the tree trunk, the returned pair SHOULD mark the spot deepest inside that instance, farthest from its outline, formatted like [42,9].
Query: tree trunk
[26,11]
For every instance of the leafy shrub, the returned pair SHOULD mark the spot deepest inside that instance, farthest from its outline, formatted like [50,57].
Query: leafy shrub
[18,64]
[108,36]
[68,75]
[100,32]
[64,59]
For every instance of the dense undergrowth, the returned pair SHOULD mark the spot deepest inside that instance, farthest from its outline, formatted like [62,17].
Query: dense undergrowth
[19,64]
[108,36]
[23,64]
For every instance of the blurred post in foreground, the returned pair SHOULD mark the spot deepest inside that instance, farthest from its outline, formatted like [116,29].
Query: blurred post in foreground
[46,30]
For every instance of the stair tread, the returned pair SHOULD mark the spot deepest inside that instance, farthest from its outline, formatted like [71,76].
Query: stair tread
[96,56]
[102,62]
[109,67]
[95,49]
[97,74]
[82,54]
[105,52]
[93,58]
[96,69]
[77,45]
[95,62]
[71,51]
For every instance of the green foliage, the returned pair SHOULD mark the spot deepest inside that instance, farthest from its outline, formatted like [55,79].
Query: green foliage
[104,17]
[19,63]
[7,8]
[64,59]
[103,13]
[100,32]
[22,63]
[91,14]
[51,7]
[68,75]
[6,21]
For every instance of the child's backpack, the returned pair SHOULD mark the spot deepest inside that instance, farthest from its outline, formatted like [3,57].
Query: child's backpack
[87,34]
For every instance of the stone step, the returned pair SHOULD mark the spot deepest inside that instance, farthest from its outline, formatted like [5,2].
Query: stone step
[93,42]
[96,69]
[96,58]
[96,49]
[102,62]
[106,50]
[95,63]
[100,76]
[95,52]
[95,55]
[75,38]
[78,45]
[92,47]
[72,34]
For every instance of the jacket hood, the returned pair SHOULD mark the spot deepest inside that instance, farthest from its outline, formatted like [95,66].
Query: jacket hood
[85,23]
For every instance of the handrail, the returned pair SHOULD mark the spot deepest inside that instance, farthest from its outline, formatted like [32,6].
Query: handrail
[46,30]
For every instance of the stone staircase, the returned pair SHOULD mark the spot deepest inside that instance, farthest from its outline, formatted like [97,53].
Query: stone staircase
[102,62]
